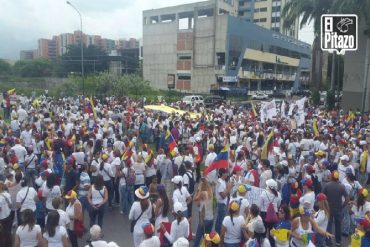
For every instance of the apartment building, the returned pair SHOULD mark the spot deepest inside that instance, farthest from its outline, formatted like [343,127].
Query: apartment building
[199,46]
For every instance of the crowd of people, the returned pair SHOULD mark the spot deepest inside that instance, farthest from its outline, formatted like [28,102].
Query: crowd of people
[180,180]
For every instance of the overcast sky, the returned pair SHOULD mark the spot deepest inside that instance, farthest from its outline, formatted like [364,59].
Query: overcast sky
[22,22]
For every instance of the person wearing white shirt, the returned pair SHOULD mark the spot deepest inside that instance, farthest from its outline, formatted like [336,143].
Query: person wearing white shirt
[211,156]
[20,152]
[26,135]
[29,234]
[50,190]
[231,232]
[6,219]
[321,217]
[270,195]
[181,194]
[141,212]
[179,227]
[150,239]
[242,200]
[222,192]
[55,235]
[26,197]
[308,198]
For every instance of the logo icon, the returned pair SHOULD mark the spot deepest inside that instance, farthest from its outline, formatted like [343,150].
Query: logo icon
[339,33]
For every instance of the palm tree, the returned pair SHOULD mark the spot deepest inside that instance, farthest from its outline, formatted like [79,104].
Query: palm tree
[359,7]
[309,10]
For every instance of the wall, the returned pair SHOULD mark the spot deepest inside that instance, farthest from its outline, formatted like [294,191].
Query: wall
[354,72]
[159,53]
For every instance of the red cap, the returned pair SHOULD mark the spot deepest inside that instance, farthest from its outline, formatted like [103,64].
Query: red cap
[321,197]
[365,223]
[308,182]
[17,141]
[237,169]
[310,169]
[148,229]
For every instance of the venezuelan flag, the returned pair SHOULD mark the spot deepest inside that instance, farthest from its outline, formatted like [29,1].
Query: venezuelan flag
[11,91]
[221,161]
[267,145]
[170,142]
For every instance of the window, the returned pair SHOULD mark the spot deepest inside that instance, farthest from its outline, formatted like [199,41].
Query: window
[241,3]
[256,10]
[256,20]
[263,19]
[231,2]
[275,19]
[184,77]
[276,9]
[263,9]
[241,13]
[184,56]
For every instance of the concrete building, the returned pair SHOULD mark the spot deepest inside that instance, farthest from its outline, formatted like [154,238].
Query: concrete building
[26,54]
[267,14]
[107,45]
[356,77]
[200,46]
[65,39]
[127,44]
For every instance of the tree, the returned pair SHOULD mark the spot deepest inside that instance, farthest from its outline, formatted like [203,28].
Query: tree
[33,68]
[309,10]
[5,68]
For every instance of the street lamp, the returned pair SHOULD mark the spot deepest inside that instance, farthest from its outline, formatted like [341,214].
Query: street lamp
[82,50]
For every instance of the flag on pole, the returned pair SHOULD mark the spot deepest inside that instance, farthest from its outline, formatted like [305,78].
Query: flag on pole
[221,161]
[315,127]
[11,91]
[92,106]
[253,112]
[267,145]
[170,142]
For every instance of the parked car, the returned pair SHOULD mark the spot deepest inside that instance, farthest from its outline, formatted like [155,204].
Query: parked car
[260,96]
[278,95]
[302,93]
[193,100]
[213,100]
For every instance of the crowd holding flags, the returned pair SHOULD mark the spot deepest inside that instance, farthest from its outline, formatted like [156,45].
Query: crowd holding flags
[267,146]
[221,161]
[170,143]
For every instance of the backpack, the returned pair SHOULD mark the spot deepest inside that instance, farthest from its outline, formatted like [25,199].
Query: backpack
[316,184]
[271,216]
[131,177]
[191,184]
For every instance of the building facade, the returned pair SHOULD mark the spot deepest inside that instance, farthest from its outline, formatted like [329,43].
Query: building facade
[267,14]
[26,54]
[200,46]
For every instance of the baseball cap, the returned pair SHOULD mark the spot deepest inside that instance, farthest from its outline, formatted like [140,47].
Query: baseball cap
[321,197]
[344,157]
[214,237]
[148,229]
[71,195]
[177,179]
[234,206]
[335,175]
[177,207]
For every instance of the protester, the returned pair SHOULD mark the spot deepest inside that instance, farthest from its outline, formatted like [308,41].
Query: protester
[28,233]
[97,197]
[150,239]
[179,227]
[75,215]
[55,235]
[6,218]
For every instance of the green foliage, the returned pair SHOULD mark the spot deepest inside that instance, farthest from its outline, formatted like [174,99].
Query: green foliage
[105,84]
[330,100]
[315,98]
[5,67]
[33,68]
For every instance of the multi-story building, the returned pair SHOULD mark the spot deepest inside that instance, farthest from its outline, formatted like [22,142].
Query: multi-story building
[267,14]
[107,45]
[195,47]
[65,39]
[26,55]
[127,44]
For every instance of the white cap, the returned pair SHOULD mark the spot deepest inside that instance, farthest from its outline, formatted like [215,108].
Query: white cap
[177,179]
[363,142]
[197,139]
[344,157]
[271,184]
[181,242]
[177,207]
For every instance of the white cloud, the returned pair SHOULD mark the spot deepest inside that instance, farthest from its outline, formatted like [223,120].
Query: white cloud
[24,21]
